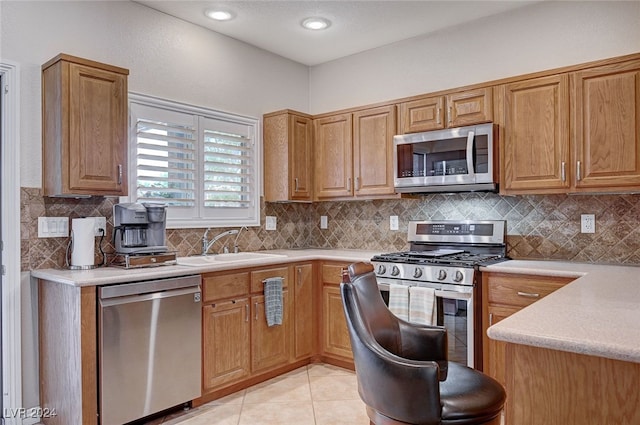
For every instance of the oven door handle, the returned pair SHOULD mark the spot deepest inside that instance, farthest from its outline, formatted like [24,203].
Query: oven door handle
[451,295]
[470,140]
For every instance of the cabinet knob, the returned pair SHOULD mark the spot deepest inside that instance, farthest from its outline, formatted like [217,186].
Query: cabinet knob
[119,173]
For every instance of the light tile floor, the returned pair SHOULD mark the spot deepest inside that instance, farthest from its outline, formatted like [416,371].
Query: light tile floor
[317,394]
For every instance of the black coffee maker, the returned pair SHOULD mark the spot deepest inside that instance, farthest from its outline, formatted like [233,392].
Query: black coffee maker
[139,228]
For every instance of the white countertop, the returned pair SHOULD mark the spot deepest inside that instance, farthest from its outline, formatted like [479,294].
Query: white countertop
[109,275]
[598,314]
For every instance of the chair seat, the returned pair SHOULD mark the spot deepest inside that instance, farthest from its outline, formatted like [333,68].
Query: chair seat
[468,396]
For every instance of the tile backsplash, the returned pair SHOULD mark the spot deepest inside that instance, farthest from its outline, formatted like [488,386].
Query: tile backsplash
[538,227]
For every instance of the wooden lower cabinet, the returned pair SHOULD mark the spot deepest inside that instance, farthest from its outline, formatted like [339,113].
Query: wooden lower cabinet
[226,338]
[269,344]
[504,294]
[239,348]
[304,312]
[336,345]
[547,386]
[336,334]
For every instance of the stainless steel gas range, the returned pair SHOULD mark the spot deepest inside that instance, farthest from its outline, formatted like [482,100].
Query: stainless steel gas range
[446,255]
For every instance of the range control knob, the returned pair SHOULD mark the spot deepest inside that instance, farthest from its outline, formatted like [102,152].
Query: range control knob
[417,272]
[458,277]
[395,271]
[382,269]
[442,274]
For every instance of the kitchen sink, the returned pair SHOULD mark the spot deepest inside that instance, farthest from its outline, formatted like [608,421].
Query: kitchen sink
[204,260]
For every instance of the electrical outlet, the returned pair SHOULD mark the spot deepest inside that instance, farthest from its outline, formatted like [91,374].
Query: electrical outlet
[99,223]
[324,222]
[271,223]
[393,222]
[587,223]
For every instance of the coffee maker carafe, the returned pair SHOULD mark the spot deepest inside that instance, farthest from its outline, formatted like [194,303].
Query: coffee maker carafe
[139,228]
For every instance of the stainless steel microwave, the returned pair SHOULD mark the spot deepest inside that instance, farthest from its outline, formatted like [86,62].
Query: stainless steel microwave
[451,160]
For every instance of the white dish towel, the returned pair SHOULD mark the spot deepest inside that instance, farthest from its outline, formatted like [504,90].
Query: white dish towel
[399,300]
[422,306]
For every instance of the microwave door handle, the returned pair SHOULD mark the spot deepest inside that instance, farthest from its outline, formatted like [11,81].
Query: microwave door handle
[470,139]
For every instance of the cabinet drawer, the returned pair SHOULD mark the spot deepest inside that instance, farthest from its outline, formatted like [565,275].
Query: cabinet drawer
[332,273]
[522,290]
[217,287]
[258,276]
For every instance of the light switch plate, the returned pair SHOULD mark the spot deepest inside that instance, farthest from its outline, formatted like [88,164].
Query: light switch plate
[324,222]
[393,222]
[271,223]
[53,227]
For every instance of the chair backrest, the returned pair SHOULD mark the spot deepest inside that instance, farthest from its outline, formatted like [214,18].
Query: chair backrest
[377,318]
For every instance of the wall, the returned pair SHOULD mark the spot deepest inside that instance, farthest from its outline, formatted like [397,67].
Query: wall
[542,36]
[538,227]
[167,57]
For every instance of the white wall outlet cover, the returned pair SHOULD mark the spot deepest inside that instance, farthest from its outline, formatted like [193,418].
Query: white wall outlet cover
[588,223]
[271,223]
[324,222]
[393,222]
[99,223]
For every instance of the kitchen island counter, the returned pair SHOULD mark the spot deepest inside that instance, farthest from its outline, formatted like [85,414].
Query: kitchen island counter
[110,275]
[598,314]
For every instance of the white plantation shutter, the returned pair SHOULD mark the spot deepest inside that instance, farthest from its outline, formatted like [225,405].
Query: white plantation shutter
[203,164]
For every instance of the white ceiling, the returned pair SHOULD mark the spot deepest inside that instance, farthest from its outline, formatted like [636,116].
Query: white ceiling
[356,25]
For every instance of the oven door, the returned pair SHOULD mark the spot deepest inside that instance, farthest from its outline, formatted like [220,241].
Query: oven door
[445,159]
[455,313]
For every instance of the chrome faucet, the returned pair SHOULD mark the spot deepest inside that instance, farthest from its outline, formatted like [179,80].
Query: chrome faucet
[206,244]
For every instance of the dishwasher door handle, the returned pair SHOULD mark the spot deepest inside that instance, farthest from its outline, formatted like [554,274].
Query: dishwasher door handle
[195,290]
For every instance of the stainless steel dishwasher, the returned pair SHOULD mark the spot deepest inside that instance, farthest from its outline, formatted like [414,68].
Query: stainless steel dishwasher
[149,342]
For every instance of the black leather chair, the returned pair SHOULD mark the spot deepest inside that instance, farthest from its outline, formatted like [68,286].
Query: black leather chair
[402,369]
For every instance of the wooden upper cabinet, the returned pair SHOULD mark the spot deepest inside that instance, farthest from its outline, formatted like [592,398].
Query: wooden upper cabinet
[373,131]
[606,127]
[422,115]
[535,145]
[84,118]
[288,147]
[451,110]
[333,157]
[470,107]
[354,154]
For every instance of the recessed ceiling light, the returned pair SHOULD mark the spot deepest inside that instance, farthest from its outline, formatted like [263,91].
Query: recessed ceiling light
[218,15]
[316,23]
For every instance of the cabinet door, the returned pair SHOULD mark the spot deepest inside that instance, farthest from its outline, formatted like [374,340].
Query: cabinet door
[97,131]
[495,350]
[304,318]
[422,115]
[269,344]
[536,136]
[336,335]
[373,151]
[606,126]
[287,155]
[225,349]
[333,157]
[300,143]
[470,107]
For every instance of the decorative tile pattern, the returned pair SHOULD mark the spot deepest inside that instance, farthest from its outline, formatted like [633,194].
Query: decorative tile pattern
[538,226]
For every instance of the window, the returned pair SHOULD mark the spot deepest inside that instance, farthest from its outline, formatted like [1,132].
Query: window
[203,164]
